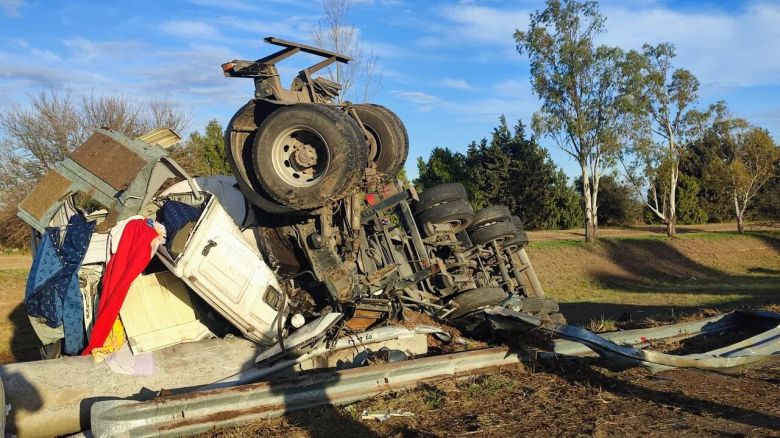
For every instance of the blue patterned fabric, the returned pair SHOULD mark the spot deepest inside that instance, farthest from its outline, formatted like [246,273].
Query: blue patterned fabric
[175,216]
[52,291]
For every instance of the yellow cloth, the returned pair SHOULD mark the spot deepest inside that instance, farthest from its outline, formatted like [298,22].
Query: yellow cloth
[113,343]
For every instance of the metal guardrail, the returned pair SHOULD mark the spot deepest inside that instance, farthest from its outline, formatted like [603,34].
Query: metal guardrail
[187,414]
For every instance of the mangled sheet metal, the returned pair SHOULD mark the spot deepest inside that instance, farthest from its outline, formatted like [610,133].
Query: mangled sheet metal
[120,173]
[746,352]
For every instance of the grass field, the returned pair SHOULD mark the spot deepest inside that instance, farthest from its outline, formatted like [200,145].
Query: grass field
[635,276]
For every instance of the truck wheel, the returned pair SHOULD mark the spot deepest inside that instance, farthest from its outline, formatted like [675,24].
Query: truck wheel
[475,299]
[388,142]
[496,213]
[499,232]
[308,155]
[519,242]
[438,194]
[458,213]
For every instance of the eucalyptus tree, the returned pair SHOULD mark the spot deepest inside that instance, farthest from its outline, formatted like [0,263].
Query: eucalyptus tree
[661,102]
[578,84]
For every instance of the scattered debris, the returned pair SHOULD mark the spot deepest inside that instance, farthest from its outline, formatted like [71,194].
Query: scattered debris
[384,415]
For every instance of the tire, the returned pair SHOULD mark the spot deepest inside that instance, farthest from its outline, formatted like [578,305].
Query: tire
[308,155]
[519,242]
[239,138]
[475,299]
[516,220]
[388,142]
[438,194]
[499,232]
[459,213]
[488,215]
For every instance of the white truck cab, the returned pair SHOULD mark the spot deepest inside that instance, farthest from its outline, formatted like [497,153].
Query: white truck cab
[229,273]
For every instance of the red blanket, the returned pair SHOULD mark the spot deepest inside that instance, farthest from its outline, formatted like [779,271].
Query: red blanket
[131,258]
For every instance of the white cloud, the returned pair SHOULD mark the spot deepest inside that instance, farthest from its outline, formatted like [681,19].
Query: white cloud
[191,29]
[11,7]
[723,49]
[86,50]
[480,24]
[458,84]
[425,102]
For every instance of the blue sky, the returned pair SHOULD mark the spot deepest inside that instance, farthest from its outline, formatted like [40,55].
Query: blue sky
[449,68]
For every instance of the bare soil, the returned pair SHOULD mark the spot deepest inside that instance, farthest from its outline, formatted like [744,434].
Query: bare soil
[557,399]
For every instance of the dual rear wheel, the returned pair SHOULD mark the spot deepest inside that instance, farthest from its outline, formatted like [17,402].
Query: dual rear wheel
[306,155]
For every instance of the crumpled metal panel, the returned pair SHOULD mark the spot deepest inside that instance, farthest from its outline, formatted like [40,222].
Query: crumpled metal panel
[746,352]
[110,167]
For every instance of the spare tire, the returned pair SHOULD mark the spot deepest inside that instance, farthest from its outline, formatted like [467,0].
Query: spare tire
[499,232]
[475,299]
[458,213]
[308,155]
[488,215]
[388,142]
[438,194]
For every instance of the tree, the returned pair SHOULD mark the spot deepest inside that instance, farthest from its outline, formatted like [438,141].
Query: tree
[510,170]
[748,158]
[38,137]
[618,205]
[660,100]
[578,85]
[208,151]
[336,33]
[443,166]
[54,123]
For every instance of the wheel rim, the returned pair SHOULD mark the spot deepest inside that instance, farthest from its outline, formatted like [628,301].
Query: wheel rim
[374,146]
[300,157]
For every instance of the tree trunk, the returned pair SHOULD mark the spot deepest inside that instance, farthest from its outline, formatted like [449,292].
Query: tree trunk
[671,230]
[590,223]
[740,213]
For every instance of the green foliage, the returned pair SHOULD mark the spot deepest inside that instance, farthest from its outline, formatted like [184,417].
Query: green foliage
[208,151]
[768,198]
[689,210]
[566,208]
[735,163]
[203,154]
[443,166]
[510,170]
[688,202]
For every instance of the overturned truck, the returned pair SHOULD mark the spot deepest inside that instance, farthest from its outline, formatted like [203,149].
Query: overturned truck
[311,255]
